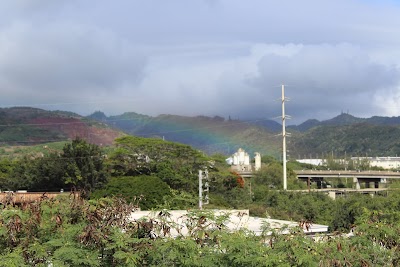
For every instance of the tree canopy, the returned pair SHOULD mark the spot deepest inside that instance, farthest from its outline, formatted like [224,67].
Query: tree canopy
[79,165]
[151,190]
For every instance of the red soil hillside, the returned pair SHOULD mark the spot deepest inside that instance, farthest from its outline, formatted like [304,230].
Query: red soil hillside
[30,126]
[73,128]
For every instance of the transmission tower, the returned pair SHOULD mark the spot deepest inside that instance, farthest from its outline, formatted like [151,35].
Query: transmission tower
[284,134]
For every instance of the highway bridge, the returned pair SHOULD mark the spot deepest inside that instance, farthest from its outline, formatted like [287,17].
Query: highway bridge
[376,178]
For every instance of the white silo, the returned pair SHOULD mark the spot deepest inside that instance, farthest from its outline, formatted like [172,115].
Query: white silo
[235,159]
[257,160]
[246,159]
[241,156]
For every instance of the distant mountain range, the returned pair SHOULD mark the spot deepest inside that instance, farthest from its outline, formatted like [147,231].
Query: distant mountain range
[346,135]
[341,135]
[347,119]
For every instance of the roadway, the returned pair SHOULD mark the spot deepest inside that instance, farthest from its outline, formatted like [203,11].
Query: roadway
[302,174]
[374,178]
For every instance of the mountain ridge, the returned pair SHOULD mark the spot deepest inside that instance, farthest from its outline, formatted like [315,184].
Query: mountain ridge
[210,134]
[343,134]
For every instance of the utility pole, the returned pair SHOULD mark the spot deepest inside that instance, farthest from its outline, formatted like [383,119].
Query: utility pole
[200,189]
[203,175]
[284,117]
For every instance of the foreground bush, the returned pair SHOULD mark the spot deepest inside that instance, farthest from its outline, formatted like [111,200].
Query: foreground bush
[72,232]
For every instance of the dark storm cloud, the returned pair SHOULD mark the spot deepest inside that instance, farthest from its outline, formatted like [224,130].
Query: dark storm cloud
[323,80]
[66,60]
[211,57]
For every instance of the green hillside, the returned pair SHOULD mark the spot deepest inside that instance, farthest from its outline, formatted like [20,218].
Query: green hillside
[342,135]
[346,119]
[209,134]
[352,140]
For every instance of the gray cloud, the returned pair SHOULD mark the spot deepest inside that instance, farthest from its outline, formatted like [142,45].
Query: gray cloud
[65,61]
[324,79]
[211,57]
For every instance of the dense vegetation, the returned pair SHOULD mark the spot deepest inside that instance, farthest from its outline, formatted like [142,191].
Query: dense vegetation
[157,174]
[79,164]
[70,231]
[165,175]
[352,140]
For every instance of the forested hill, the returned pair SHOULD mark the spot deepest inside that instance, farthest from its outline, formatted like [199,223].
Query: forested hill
[347,119]
[346,135]
[29,126]
[209,134]
[343,134]
[352,140]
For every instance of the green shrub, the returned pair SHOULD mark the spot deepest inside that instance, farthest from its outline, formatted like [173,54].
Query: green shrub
[150,189]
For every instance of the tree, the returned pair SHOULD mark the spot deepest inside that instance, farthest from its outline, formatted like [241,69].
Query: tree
[48,173]
[174,163]
[37,174]
[84,165]
[150,190]
[270,175]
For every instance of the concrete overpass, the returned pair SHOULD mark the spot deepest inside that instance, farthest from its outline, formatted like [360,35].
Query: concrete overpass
[376,178]
[334,192]
[245,174]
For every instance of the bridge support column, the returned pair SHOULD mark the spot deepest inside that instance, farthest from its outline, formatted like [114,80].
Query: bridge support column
[382,183]
[356,183]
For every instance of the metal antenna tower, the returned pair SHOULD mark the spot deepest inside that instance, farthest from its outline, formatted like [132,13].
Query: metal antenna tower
[284,117]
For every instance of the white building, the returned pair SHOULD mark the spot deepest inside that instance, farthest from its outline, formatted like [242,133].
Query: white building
[179,220]
[315,162]
[383,162]
[240,161]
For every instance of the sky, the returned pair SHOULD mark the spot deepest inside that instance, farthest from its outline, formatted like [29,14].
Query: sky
[202,57]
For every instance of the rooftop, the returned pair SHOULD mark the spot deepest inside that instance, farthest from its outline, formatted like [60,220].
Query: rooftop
[182,222]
